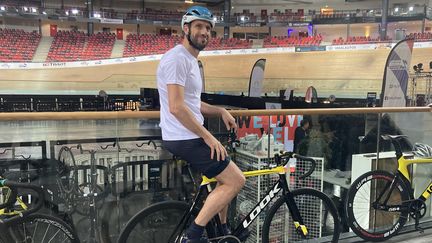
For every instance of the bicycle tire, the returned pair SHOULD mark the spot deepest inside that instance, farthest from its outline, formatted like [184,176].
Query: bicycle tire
[155,223]
[42,228]
[360,200]
[82,204]
[277,225]
[67,170]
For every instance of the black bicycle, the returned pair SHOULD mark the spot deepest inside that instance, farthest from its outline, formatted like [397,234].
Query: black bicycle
[300,215]
[19,221]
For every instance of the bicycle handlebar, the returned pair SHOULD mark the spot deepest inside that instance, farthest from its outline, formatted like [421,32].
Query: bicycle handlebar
[283,158]
[311,169]
[13,197]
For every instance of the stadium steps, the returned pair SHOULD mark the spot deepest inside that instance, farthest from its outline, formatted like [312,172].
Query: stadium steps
[257,43]
[42,50]
[118,49]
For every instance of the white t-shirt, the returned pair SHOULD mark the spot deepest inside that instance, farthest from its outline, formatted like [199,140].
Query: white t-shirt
[179,66]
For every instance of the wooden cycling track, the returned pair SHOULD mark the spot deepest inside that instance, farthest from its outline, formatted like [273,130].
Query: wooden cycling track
[343,73]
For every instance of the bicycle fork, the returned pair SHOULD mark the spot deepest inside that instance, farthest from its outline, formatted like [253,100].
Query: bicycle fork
[294,211]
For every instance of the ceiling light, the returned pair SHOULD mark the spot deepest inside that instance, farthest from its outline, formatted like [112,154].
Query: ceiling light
[2,8]
[396,9]
[74,11]
[411,8]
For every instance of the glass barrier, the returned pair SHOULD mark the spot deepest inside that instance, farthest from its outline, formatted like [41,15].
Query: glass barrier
[98,174]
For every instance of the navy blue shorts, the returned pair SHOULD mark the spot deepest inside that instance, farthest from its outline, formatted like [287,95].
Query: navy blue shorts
[197,153]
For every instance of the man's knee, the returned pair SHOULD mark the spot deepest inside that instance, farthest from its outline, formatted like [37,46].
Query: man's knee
[232,176]
[241,181]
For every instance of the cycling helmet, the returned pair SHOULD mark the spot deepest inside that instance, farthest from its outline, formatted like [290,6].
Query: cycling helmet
[422,150]
[198,13]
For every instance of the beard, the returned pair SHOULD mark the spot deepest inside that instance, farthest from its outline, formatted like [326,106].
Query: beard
[195,43]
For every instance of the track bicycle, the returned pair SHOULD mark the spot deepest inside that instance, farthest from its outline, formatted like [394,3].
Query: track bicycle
[19,221]
[380,202]
[300,215]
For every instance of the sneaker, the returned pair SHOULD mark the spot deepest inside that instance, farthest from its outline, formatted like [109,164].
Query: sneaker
[185,239]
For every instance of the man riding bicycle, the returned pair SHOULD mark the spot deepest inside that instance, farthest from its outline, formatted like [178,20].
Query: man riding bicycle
[181,120]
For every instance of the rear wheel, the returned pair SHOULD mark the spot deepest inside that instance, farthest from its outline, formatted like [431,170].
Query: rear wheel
[154,224]
[368,215]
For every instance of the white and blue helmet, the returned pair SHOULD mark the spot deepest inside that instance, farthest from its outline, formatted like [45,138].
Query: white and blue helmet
[198,13]
[422,150]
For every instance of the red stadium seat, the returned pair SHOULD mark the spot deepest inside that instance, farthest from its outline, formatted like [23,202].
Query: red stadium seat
[17,45]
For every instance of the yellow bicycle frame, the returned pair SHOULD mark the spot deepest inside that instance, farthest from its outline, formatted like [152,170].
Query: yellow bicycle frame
[277,170]
[403,170]
[4,212]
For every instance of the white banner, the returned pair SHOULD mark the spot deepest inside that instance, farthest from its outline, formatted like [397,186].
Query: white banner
[257,78]
[396,73]
[111,21]
[359,47]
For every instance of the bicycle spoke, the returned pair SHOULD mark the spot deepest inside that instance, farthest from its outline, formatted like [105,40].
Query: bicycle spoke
[54,236]
[35,230]
[46,232]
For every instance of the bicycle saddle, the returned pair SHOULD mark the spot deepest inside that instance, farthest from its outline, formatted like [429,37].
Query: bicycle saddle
[392,137]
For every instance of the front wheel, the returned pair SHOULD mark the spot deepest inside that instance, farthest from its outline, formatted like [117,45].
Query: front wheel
[317,211]
[376,212]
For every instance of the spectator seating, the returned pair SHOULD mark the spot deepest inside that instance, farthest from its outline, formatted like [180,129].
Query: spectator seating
[284,41]
[76,46]
[99,46]
[330,16]
[427,36]
[155,14]
[67,46]
[285,17]
[17,45]
[231,43]
[358,40]
[149,44]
